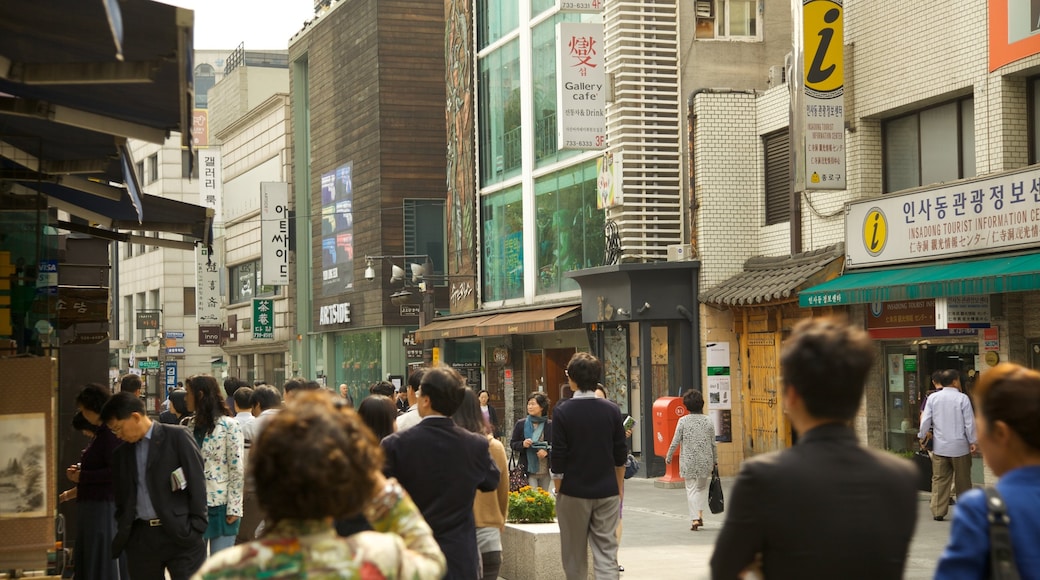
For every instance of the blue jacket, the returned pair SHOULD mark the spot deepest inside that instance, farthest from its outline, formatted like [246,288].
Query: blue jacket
[967,554]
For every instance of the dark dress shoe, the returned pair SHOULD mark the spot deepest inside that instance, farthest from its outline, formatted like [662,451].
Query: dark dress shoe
[938,518]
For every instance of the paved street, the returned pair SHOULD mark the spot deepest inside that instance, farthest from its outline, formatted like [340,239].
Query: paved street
[658,543]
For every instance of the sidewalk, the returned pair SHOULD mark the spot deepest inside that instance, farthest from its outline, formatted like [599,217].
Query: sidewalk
[657,541]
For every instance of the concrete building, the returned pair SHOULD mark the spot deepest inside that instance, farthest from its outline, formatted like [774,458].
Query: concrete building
[941,145]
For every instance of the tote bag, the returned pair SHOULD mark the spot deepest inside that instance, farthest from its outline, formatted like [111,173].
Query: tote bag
[716,503]
[517,473]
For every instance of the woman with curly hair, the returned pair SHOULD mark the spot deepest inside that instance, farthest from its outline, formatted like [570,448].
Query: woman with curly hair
[220,439]
[312,463]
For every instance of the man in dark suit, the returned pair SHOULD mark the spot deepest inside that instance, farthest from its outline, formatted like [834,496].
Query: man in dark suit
[828,507]
[160,493]
[442,465]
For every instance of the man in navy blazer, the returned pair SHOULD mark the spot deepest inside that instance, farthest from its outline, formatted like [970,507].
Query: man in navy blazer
[160,492]
[442,466]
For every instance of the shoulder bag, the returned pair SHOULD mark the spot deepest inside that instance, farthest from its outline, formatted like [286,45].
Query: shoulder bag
[716,503]
[1001,555]
[517,473]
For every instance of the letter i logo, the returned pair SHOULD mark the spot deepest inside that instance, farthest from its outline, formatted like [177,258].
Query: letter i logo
[824,35]
[875,231]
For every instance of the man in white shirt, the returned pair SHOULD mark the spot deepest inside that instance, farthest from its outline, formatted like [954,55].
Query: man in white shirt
[266,402]
[243,402]
[949,415]
[410,418]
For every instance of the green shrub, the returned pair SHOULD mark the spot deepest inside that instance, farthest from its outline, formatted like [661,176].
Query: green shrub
[531,506]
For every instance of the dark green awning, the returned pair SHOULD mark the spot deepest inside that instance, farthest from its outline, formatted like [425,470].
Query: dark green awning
[961,278]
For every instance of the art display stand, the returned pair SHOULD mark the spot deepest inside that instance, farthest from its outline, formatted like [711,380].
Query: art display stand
[28,478]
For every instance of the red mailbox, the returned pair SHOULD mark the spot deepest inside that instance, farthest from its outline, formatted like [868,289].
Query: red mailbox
[667,411]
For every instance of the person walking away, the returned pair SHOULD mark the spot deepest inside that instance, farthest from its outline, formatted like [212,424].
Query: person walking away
[828,507]
[220,439]
[160,493]
[949,415]
[698,455]
[442,466]
[589,449]
[1007,404]
[410,418]
[531,440]
[489,507]
[95,499]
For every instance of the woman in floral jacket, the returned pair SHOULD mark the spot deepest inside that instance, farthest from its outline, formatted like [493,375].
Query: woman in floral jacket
[220,438]
[313,463]
[697,457]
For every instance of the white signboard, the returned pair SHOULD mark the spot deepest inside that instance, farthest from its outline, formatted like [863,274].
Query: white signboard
[823,105]
[980,216]
[961,312]
[211,180]
[274,233]
[207,287]
[581,83]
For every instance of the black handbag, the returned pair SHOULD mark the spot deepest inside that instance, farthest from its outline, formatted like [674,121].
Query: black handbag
[924,470]
[716,503]
[517,473]
[631,466]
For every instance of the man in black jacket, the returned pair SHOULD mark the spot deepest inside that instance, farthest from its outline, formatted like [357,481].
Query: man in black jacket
[160,493]
[442,465]
[828,507]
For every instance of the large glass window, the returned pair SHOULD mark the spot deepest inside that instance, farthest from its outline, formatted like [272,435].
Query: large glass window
[496,19]
[359,362]
[424,230]
[930,145]
[728,19]
[543,69]
[245,283]
[503,214]
[500,147]
[569,227]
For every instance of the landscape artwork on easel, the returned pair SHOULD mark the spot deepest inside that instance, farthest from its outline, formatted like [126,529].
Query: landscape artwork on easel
[23,465]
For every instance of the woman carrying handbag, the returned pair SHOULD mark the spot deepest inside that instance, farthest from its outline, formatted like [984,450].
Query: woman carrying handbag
[697,456]
[531,437]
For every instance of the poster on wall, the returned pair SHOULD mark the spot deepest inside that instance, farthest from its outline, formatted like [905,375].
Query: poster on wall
[23,473]
[895,373]
[337,230]
[723,420]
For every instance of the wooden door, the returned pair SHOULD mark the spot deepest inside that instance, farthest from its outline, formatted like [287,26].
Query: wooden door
[762,401]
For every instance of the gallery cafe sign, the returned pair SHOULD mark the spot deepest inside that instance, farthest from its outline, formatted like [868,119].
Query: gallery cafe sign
[334,314]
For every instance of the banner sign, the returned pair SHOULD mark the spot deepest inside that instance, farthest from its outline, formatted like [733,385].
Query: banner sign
[274,233]
[209,335]
[962,312]
[609,180]
[823,87]
[207,287]
[580,94]
[979,216]
[211,186]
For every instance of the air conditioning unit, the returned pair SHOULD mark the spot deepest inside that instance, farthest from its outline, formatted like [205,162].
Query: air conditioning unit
[680,252]
[777,76]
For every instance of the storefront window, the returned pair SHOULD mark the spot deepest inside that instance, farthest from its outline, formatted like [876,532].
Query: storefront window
[360,362]
[569,227]
[499,88]
[245,283]
[502,213]
[615,364]
[496,19]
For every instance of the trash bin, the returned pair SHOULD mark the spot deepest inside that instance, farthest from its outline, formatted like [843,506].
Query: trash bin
[667,411]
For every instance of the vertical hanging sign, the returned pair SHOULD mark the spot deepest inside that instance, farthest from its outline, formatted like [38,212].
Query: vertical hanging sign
[274,233]
[207,287]
[823,87]
[263,318]
[210,179]
[580,94]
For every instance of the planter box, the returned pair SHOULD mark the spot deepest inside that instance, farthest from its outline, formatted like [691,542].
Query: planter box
[532,552]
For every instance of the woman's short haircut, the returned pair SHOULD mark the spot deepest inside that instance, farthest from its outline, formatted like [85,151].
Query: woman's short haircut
[1011,393]
[93,397]
[585,370]
[314,461]
[693,400]
[378,413]
[542,401]
[444,386]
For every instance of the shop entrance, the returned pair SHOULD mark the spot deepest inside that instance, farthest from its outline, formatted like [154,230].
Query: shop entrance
[908,371]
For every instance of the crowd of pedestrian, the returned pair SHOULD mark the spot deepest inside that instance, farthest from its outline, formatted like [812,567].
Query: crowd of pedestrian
[414,483]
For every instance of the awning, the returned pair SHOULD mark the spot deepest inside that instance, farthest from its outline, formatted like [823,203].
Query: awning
[771,279]
[962,278]
[531,321]
[451,328]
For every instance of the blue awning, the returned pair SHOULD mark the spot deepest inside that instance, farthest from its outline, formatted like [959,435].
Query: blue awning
[998,275]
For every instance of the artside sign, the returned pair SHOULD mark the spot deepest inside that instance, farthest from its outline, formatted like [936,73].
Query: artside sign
[821,87]
[263,318]
[992,214]
[334,314]
[580,94]
[274,233]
